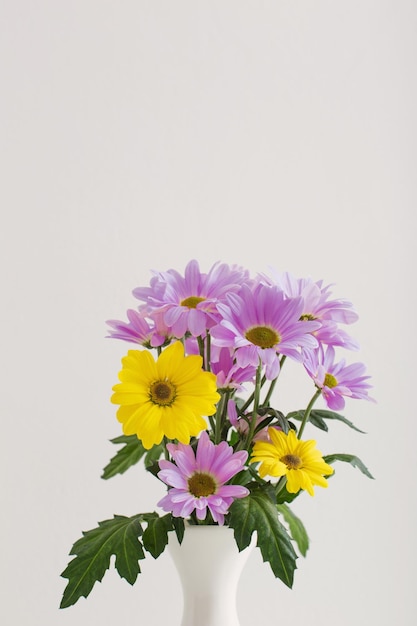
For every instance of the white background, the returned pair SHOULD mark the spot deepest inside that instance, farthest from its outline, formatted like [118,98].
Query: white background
[136,135]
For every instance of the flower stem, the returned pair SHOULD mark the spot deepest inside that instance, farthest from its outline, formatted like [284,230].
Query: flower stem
[251,398]
[256,394]
[166,454]
[208,351]
[200,341]
[273,383]
[270,390]
[307,412]
[212,423]
[280,485]
[220,416]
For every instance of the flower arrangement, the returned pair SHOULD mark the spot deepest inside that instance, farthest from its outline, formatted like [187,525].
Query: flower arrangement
[195,403]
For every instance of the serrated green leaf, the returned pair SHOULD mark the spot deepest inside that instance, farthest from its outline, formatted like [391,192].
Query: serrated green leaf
[257,513]
[297,528]
[318,417]
[349,458]
[155,537]
[179,527]
[127,456]
[118,536]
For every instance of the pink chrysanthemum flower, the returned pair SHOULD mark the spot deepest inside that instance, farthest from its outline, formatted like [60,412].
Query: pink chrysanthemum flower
[222,364]
[189,302]
[197,480]
[149,333]
[229,375]
[260,324]
[319,306]
[336,380]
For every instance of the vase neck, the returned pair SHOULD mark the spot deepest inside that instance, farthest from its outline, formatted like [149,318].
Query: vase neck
[209,565]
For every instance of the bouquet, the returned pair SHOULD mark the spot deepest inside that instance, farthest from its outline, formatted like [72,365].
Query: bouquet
[195,401]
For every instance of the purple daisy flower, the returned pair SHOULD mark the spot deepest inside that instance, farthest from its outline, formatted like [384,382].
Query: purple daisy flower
[336,380]
[139,329]
[262,323]
[318,306]
[197,480]
[189,302]
[229,374]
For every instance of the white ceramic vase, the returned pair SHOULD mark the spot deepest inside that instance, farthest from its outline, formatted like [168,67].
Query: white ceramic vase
[209,565]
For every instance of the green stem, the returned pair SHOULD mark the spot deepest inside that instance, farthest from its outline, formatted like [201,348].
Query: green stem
[256,394]
[247,403]
[280,485]
[166,454]
[224,413]
[220,417]
[212,423]
[251,398]
[208,351]
[307,412]
[270,390]
[200,341]
[273,383]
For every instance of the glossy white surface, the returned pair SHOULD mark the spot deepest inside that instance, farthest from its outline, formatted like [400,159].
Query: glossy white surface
[209,565]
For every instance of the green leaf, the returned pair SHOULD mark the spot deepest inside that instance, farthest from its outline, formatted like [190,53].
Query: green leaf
[153,455]
[179,527]
[318,417]
[297,529]
[118,536]
[242,478]
[285,496]
[127,456]
[155,537]
[272,414]
[257,513]
[349,458]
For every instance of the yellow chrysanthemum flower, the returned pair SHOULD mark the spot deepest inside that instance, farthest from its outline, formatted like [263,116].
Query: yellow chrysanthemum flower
[286,455]
[164,397]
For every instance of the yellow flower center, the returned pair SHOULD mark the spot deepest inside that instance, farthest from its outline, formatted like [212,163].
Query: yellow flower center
[307,317]
[330,381]
[162,392]
[192,301]
[292,461]
[263,336]
[201,484]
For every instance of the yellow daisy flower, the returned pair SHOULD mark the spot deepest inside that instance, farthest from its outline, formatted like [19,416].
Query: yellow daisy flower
[164,397]
[299,461]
